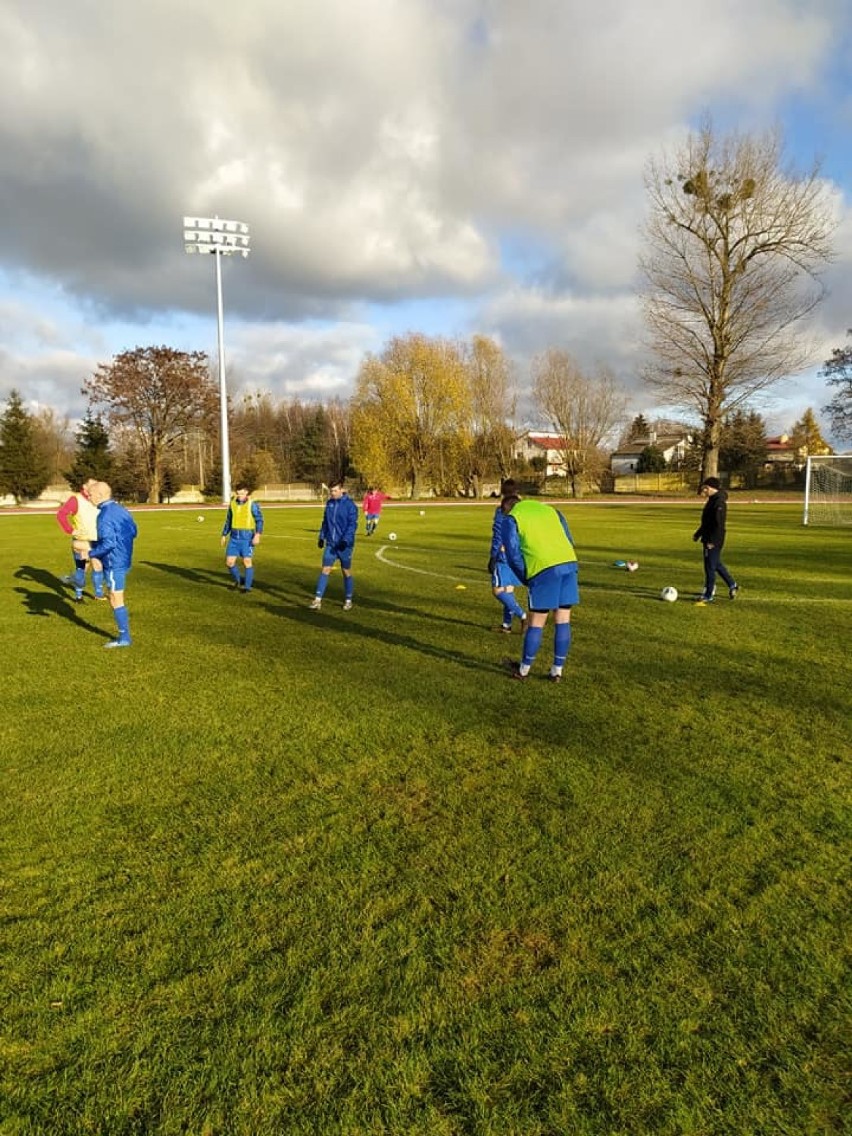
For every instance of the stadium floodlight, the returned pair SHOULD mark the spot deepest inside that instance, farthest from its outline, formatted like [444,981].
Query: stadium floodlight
[219,238]
[828,490]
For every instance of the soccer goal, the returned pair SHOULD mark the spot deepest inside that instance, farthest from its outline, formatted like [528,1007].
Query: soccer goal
[828,490]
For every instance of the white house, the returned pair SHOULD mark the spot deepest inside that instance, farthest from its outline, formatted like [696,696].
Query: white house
[672,446]
[542,444]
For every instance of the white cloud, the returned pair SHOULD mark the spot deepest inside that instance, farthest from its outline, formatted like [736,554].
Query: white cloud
[480,152]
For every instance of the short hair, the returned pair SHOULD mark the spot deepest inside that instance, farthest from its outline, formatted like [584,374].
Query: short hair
[509,487]
[711,483]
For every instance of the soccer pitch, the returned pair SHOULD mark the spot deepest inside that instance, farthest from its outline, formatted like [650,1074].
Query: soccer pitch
[273,871]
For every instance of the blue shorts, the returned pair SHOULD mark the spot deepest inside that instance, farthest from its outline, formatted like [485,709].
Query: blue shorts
[504,577]
[329,556]
[553,588]
[240,544]
[115,578]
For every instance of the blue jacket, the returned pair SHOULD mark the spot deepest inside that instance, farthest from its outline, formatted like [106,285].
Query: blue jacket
[116,533]
[339,523]
[498,552]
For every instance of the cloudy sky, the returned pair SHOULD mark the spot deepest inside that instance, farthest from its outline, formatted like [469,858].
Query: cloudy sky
[445,166]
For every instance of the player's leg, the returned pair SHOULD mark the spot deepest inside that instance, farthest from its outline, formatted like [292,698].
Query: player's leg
[348,581]
[231,565]
[711,559]
[98,579]
[248,565]
[328,559]
[569,595]
[115,582]
[78,578]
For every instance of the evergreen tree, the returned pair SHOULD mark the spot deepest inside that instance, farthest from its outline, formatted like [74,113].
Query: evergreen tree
[837,373]
[312,454]
[651,460]
[24,470]
[742,446]
[639,429]
[92,457]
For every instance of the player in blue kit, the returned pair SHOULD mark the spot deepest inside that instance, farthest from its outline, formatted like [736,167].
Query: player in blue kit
[540,551]
[337,540]
[114,549]
[503,579]
[241,532]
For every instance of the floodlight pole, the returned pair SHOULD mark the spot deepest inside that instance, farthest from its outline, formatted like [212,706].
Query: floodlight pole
[223,391]
[221,238]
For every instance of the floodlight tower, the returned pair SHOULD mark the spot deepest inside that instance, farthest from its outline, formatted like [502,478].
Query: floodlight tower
[219,238]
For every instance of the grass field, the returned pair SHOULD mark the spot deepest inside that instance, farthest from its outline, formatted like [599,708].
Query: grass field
[276,872]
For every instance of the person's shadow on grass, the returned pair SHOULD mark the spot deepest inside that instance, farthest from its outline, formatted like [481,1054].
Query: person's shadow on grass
[306,618]
[51,599]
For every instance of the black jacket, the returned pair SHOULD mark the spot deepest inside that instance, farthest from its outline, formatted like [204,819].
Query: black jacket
[713,516]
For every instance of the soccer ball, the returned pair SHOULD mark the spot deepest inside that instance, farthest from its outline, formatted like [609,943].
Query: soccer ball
[422,512]
[669,595]
[632,565]
[391,536]
[200,517]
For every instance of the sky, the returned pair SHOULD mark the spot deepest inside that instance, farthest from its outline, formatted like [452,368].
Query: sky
[452,167]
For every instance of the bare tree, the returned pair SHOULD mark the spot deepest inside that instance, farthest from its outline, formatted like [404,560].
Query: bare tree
[583,410]
[733,247]
[161,395]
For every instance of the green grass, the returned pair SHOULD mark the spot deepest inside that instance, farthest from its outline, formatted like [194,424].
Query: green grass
[280,872]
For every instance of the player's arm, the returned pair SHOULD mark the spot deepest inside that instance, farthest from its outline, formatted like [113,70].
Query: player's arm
[351,525]
[496,535]
[258,522]
[565,527]
[64,515]
[512,545]
[107,539]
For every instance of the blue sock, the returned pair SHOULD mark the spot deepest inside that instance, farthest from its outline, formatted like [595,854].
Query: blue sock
[235,574]
[98,583]
[506,600]
[80,575]
[515,607]
[122,622]
[322,584]
[249,577]
[348,587]
[561,643]
[532,642]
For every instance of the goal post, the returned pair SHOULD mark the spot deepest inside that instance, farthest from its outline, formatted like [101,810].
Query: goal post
[828,490]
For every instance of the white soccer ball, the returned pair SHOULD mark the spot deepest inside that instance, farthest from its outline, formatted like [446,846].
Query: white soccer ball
[632,565]
[422,512]
[669,595]
[391,536]
[200,517]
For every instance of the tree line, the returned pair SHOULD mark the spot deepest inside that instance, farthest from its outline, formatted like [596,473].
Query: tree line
[733,246]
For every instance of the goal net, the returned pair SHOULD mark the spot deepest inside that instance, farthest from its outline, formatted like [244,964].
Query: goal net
[828,490]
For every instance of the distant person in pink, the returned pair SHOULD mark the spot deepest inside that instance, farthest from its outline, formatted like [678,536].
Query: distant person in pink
[372,506]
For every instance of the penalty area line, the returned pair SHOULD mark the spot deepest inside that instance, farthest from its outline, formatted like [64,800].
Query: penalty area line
[380,555]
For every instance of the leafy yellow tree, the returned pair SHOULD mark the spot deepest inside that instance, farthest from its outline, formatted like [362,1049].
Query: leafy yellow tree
[409,406]
[807,438]
[733,246]
[582,409]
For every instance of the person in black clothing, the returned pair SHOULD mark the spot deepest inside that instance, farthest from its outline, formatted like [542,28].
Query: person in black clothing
[711,533]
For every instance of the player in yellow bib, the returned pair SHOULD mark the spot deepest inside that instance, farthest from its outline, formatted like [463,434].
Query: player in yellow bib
[241,532]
